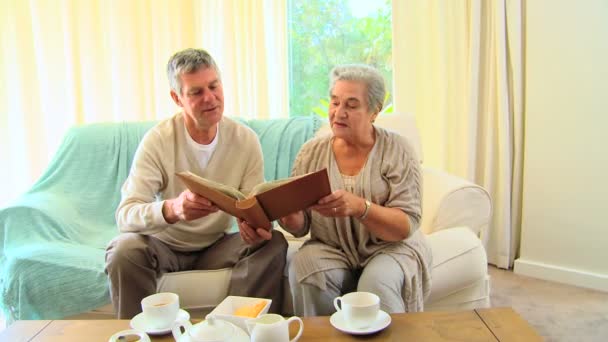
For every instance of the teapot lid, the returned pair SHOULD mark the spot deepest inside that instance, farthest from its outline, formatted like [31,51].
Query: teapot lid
[212,329]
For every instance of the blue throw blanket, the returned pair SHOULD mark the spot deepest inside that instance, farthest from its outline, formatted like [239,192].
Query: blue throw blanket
[281,140]
[53,239]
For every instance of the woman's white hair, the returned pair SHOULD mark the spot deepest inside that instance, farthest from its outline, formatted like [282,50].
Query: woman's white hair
[370,76]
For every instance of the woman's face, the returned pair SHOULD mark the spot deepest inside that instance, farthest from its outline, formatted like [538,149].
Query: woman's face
[349,115]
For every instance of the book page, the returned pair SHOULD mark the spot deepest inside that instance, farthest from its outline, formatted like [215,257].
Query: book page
[227,199]
[227,190]
[260,188]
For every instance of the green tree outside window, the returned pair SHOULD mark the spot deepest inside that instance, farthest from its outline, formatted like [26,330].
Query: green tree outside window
[325,33]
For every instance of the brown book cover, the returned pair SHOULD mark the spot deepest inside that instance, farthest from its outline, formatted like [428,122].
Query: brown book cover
[267,201]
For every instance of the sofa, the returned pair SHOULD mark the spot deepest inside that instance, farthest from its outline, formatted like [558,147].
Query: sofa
[53,238]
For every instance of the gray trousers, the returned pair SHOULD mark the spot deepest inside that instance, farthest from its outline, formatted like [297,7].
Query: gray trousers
[134,262]
[382,276]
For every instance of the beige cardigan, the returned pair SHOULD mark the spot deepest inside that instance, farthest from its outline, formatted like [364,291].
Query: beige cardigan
[391,177]
[164,150]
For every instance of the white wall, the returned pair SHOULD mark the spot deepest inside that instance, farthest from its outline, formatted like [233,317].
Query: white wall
[565,199]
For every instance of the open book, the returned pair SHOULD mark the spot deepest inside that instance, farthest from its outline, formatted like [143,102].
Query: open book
[267,201]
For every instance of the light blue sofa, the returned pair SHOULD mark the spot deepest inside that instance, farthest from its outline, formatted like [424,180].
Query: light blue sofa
[53,238]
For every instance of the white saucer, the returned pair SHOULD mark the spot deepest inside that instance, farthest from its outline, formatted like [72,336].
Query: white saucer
[383,320]
[139,323]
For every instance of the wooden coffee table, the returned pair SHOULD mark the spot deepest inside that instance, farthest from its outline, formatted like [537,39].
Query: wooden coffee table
[495,324]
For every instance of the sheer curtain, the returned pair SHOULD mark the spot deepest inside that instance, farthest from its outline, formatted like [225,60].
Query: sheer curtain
[459,67]
[67,62]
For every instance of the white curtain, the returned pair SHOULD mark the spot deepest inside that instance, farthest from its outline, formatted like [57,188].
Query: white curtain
[249,41]
[459,68]
[67,62]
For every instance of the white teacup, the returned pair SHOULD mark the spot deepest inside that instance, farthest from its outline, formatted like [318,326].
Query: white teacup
[359,309]
[160,310]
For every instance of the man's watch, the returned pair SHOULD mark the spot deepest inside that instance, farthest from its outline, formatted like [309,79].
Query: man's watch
[368,205]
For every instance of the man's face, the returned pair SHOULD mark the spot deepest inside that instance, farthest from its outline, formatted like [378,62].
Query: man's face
[202,98]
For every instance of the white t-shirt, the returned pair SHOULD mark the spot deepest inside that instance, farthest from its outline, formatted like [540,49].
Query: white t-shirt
[203,152]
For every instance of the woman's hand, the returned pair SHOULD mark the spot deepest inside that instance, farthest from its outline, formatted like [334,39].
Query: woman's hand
[340,203]
[388,224]
[253,236]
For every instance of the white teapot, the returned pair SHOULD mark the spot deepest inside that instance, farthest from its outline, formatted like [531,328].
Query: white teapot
[209,330]
[272,328]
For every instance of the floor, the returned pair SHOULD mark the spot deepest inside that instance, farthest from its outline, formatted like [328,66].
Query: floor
[558,312]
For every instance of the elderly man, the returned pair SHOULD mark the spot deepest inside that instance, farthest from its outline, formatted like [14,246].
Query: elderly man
[165,227]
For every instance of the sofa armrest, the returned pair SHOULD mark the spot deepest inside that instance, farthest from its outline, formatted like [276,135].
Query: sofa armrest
[41,279]
[54,217]
[451,201]
[39,217]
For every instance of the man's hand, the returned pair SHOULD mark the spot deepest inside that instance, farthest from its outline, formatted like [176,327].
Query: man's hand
[253,236]
[293,222]
[340,203]
[187,206]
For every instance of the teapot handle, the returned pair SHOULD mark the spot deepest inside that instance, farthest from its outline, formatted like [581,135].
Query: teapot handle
[176,330]
[300,323]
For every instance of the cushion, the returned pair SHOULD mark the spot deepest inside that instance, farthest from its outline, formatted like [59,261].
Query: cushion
[450,201]
[459,261]
[188,285]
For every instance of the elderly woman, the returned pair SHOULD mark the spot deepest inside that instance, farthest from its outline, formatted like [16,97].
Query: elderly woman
[364,236]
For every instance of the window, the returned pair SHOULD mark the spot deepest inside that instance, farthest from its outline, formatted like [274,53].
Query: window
[325,33]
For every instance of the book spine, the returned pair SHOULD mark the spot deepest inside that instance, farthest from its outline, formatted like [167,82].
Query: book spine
[253,213]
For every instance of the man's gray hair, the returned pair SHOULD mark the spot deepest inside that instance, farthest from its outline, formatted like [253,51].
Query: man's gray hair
[370,76]
[185,62]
